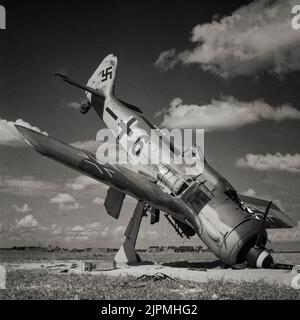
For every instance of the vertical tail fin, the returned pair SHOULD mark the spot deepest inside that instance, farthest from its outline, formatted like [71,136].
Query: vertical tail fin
[103,78]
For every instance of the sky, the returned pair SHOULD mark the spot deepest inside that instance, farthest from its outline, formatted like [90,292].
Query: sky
[231,68]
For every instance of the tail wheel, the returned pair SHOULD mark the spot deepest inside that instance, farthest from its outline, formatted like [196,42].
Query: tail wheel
[84,108]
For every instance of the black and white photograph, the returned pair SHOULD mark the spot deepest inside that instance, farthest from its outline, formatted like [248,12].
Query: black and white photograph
[150,150]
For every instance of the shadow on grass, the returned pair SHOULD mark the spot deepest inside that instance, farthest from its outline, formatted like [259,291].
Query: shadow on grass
[196,265]
[140,263]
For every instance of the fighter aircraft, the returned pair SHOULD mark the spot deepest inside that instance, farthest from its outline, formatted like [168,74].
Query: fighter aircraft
[202,203]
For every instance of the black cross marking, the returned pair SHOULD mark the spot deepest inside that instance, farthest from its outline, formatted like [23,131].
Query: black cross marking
[108,171]
[126,128]
[106,74]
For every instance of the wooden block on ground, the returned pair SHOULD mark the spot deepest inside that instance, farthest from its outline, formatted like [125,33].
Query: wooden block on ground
[97,265]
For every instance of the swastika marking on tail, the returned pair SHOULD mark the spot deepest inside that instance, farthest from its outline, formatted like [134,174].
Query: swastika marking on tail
[106,74]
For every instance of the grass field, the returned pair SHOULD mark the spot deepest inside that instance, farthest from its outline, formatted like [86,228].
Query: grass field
[42,284]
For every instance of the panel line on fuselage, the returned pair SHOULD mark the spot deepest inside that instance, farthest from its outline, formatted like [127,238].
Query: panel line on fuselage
[111,113]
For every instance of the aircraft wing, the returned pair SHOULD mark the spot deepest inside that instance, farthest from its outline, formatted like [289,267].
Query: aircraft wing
[120,179]
[276,218]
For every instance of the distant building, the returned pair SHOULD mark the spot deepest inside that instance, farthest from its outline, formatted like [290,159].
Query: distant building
[112,250]
[175,249]
[33,248]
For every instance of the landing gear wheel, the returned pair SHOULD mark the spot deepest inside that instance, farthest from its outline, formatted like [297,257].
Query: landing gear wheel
[84,108]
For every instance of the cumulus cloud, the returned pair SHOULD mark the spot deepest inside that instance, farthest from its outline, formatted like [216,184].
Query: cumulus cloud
[228,113]
[99,201]
[119,231]
[25,208]
[86,232]
[81,183]
[9,135]
[78,228]
[112,233]
[149,234]
[29,231]
[26,186]
[105,234]
[268,162]
[27,222]
[69,207]
[62,198]
[66,202]
[255,38]
[167,60]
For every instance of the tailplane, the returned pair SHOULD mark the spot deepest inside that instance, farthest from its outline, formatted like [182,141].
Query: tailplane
[100,86]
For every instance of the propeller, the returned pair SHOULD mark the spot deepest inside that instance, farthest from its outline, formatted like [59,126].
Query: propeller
[258,256]
[262,226]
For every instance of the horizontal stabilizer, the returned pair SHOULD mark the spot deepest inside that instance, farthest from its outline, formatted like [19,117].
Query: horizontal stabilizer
[113,202]
[94,91]
[276,219]
[79,85]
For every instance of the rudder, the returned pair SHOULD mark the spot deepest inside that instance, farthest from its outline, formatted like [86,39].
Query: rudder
[104,77]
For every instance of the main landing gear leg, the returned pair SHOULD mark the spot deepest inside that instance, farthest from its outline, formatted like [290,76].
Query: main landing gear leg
[127,254]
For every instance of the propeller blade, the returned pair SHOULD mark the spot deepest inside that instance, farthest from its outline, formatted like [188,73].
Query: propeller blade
[262,226]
